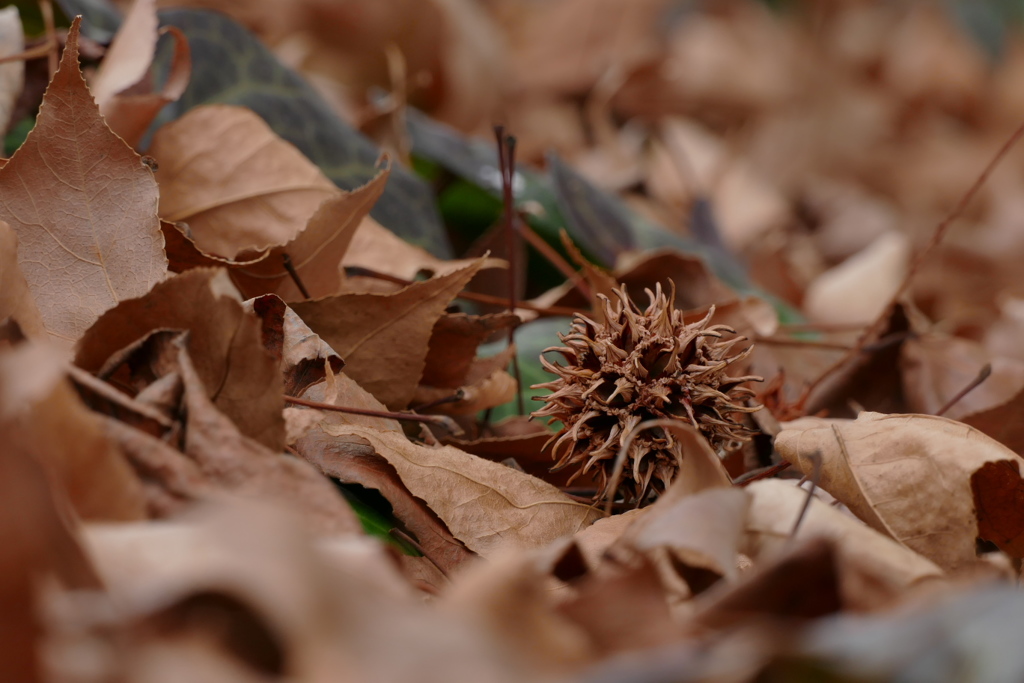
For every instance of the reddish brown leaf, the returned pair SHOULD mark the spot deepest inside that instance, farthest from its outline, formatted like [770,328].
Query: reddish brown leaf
[15,299]
[41,415]
[232,461]
[241,378]
[84,207]
[383,337]
[998,492]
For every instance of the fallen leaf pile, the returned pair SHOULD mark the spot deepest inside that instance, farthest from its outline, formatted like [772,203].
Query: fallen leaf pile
[269,341]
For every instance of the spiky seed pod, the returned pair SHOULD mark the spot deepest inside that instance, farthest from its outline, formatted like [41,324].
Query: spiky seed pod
[637,366]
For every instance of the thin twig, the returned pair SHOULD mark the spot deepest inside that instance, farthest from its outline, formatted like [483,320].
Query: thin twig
[763,473]
[788,341]
[815,458]
[46,9]
[31,53]
[507,164]
[971,386]
[294,275]
[436,420]
[555,259]
[400,535]
[356,271]
[940,232]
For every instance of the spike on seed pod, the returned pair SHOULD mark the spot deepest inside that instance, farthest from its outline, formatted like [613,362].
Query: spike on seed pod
[637,366]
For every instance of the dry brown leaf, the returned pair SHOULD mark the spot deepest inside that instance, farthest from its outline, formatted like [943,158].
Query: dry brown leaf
[379,249]
[510,596]
[42,416]
[861,288]
[241,378]
[801,582]
[487,506]
[1001,422]
[171,482]
[873,567]
[383,337]
[39,546]
[130,53]
[594,541]
[618,35]
[623,610]
[240,188]
[518,438]
[701,532]
[234,462]
[122,91]
[453,344]
[691,164]
[910,477]
[305,358]
[696,286]
[308,612]
[353,463]
[84,207]
[479,393]
[936,368]
[317,251]
[15,299]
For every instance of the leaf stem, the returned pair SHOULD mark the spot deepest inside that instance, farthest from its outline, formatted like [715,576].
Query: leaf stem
[294,275]
[437,420]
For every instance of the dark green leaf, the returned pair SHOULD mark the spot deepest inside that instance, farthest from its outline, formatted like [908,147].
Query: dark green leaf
[596,219]
[100,18]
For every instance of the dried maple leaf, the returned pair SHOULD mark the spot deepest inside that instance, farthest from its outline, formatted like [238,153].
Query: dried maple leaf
[383,338]
[84,207]
[15,299]
[354,464]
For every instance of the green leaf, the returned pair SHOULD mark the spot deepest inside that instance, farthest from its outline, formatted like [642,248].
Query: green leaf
[375,514]
[531,340]
[231,66]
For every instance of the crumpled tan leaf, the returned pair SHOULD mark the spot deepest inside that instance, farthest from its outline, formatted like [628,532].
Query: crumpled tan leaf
[84,207]
[912,477]
[874,569]
[353,463]
[239,464]
[240,188]
[487,506]
[315,613]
